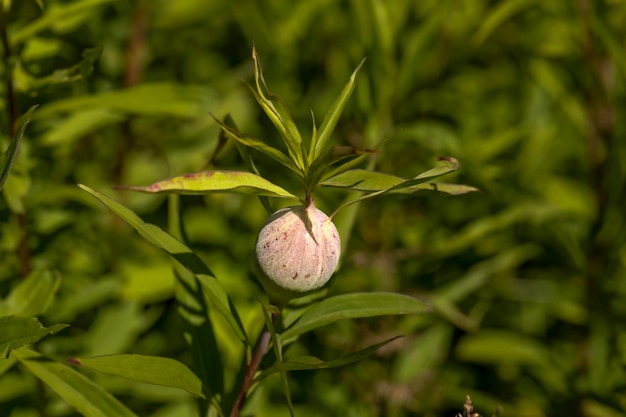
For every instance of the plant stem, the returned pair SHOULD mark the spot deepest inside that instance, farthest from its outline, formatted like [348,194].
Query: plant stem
[11,104]
[6,62]
[133,74]
[253,366]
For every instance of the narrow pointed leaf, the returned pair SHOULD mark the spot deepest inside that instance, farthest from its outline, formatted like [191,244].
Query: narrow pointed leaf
[285,116]
[278,351]
[88,398]
[346,166]
[14,146]
[333,114]
[258,145]
[306,363]
[356,305]
[363,180]
[292,145]
[278,114]
[18,331]
[185,256]
[335,155]
[442,187]
[371,181]
[240,182]
[196,326]
[149,369]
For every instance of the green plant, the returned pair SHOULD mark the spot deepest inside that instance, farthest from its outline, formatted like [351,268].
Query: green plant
[316,164]
[525,278]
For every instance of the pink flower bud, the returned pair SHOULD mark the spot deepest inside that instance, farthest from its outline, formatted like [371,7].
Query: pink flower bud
[297,251]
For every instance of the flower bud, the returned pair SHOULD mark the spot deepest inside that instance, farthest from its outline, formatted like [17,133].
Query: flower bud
[297,251]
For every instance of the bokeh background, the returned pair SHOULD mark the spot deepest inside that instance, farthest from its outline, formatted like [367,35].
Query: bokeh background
[527,277]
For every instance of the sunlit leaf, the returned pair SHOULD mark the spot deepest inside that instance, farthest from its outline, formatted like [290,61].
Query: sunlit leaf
[278,114]
[149,369]
[88,398]
[332,116]
[384,184]
[18,331]
[370,181]
[355,305]
[217,181]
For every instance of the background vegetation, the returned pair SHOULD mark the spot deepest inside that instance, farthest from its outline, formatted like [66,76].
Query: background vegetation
[527,277]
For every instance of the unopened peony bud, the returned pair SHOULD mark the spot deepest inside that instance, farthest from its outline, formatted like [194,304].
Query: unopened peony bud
[297,251]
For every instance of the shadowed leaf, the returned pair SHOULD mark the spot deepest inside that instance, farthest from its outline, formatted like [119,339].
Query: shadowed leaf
[305,363]
[179,251]
[12,150]
[18,331]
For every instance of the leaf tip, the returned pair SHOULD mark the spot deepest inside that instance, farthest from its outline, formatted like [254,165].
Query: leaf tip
[74,361]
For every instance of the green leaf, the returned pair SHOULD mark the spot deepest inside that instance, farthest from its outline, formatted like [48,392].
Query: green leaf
[240,182]
[502,347]
[147,98]
[12,150]
[371,181]
[18,331]
[305,363]
[332,116]
[363,180]
[355,305]
[79,124]
[383,183]
[88,398]
[62,75]
[86,298]
[278,351]
[179,251]
[333,156]
[503,11]
[196,325]
[258,145]
[278,114]
[442,187]
[33,295]
[60,13]
[149,369]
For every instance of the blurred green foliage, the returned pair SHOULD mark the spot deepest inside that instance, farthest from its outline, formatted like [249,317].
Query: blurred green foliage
[527,277]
